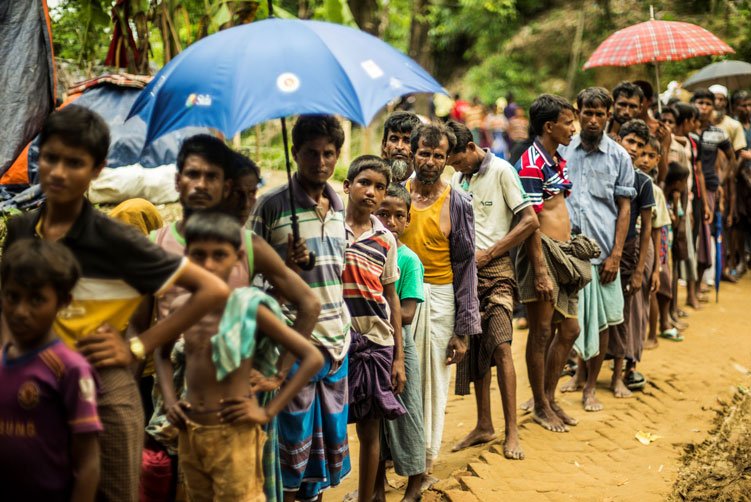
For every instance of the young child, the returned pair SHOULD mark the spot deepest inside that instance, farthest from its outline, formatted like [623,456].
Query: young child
[119,266]
[49,444]
[626,339]
[376,355]
[660,281]
[403,439]
[221,439]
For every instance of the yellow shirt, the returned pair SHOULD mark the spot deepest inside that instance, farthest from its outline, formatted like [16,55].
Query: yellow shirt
[425,237]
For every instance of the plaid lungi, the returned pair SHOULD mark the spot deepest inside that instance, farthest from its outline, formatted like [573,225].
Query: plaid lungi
[495,290]
[121,440]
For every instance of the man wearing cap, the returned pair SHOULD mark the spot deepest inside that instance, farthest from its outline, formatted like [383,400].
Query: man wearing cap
[724,121]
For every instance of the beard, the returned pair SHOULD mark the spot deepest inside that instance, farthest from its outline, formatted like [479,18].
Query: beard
[621,119]
[589,137]
[399,170]
[427,179]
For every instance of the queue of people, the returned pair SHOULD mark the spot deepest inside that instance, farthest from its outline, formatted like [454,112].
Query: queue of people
[251,351]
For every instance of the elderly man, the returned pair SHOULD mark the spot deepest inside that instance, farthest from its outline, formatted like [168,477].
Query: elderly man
[441,233]
[395,144]
[600,207]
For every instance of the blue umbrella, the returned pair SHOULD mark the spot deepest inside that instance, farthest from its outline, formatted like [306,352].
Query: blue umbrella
[275,68]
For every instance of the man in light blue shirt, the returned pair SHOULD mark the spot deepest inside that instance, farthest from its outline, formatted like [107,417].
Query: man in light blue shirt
[599,205]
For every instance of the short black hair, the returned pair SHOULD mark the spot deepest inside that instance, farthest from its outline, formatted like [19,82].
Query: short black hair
[400,121]
[702,94]
[667,110]
[213,226]
[655,144]
[35,263]
[739,96]
[308,127]
[635,126]
[646,88]
[208,147]
[676,172]
[684,111]
[431,134]
[243,166]
[372,162]
[463,136]
[398,191]
[546,108]
[594,97]
[627,90]
[79,127]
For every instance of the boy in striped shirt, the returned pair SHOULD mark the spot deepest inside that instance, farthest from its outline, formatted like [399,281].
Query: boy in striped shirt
[376,354]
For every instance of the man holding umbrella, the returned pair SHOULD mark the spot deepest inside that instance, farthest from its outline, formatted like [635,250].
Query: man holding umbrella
[313,428]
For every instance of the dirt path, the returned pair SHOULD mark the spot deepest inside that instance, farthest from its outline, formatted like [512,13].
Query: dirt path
[600,459]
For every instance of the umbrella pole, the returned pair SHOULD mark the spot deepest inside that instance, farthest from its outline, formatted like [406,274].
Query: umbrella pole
[657,90]
[294,218]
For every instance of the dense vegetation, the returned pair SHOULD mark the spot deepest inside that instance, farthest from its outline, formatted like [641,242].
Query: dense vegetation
[481,47]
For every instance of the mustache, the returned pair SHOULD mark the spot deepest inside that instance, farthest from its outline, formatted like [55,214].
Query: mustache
[399,170]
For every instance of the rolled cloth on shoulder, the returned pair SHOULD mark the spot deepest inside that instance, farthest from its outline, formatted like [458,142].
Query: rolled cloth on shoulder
[236,340]
[569,268]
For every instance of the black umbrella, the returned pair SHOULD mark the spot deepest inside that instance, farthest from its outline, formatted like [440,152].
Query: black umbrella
[731,74]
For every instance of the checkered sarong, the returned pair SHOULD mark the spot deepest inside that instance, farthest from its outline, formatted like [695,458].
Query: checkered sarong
[495,290]
[121,440]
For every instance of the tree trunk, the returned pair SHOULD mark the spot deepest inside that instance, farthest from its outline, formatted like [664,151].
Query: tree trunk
[366,16]
[419,48]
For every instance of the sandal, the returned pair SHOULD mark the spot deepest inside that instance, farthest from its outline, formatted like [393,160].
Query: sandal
[635,380]
[671,334]
[682,313]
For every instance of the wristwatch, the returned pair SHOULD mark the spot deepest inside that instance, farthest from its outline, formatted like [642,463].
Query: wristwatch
[137,348]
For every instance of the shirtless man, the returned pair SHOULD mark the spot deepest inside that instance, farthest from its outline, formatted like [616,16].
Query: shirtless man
[551,299]
[441,232]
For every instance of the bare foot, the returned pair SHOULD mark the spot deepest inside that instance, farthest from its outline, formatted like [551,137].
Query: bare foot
[427,482]
[512,450]
[528,405]
[590,402]
[549,420]
[474,438]
[619,389]
[693,303]
[650,344]
[565,418]
[572,385]
[414,484]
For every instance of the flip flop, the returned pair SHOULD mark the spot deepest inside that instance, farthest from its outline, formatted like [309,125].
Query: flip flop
[671,334]
[635,381]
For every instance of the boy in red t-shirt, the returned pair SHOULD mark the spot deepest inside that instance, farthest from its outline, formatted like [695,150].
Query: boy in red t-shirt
[49,444]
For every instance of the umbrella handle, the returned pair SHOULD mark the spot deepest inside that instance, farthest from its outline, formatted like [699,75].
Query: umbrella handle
[295,225]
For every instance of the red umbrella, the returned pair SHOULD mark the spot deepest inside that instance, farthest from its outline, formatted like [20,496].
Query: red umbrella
[656,41]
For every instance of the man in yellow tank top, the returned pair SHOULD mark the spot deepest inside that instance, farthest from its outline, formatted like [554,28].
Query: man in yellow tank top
[441,233]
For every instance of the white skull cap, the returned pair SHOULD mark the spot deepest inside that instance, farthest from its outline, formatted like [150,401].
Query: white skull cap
[718,89]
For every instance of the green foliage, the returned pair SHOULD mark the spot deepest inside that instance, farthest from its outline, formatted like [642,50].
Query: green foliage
[499,74]
[81,29]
